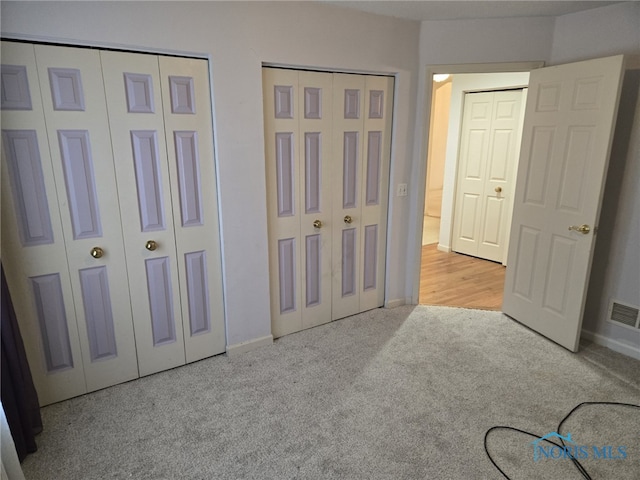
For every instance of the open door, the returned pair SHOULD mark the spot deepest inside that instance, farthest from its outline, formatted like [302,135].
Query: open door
[569,121]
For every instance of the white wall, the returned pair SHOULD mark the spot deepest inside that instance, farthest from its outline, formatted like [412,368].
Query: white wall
[238,37]
[462,83]
[615,272]
[597,33]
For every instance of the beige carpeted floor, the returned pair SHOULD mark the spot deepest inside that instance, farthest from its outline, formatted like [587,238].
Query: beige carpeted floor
[405,393]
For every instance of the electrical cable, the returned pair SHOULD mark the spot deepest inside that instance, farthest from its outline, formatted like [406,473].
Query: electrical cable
[576,463]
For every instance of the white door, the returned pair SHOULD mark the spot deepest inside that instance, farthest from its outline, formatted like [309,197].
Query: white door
[488,159]
[73,209]
[298,149]
[189,136]
[65,260]
[132,85]
[569,121]
[327,144]
[33,250]
[360,181]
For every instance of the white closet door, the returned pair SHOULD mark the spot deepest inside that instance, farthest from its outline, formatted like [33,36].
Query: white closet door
[298,143]
[348,139]
[378,112]
[78,133]
[315,166]
[33,248]
[283,198]
[189,136]
[327,144]
[489,145]
[362,148]
[132,86]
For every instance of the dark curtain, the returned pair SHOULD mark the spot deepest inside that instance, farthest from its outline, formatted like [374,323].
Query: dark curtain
[19,397]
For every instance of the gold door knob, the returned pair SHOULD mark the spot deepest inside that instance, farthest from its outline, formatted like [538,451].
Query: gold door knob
[317,224]
[96,252]
[583,229]
[151,245]
[498,189]
[348,219]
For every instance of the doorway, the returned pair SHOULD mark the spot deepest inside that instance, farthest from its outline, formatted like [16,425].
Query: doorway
[446,277]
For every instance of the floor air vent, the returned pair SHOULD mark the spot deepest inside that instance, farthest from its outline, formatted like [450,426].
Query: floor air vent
[624,314]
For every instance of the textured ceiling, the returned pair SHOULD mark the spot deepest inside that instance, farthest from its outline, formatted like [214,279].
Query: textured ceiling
[457,10]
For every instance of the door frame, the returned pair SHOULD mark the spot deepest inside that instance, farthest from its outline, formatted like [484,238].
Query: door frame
[415,246]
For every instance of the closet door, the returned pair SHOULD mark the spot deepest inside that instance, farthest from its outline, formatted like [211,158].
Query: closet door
[298,143]
[378,109]
[189,136]
[489,144]
[327,141]
[33,248]
[135,109]
[78,134]
[362,149]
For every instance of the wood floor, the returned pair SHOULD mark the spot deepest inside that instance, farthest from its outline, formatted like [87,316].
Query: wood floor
[457,280]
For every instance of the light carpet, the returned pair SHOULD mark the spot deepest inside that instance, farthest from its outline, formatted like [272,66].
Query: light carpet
[404,393]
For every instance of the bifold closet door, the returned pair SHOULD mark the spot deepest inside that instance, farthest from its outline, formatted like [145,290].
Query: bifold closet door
[189,135]
[110,231]
[62,241]
[298,117]
[327,136]
[162,140]
[362,106]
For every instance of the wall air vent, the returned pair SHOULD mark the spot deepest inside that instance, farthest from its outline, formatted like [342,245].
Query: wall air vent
[624,314]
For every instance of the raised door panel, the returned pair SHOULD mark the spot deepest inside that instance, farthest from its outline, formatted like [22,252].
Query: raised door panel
[189,137]
[284,201]
[135,108]
[33,249]
[378,114]
[349,101]
[78,132]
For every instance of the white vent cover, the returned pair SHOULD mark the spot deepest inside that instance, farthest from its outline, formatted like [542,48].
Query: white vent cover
[624,314]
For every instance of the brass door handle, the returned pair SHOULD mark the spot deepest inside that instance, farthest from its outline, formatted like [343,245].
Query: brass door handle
[498,189]
[96,252]
[583,229]
[151,245]
[317,224]
[348,219]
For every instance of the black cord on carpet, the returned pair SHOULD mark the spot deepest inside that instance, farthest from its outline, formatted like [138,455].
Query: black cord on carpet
[576,463]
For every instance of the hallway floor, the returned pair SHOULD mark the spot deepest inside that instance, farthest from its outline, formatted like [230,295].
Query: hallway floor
[453,279]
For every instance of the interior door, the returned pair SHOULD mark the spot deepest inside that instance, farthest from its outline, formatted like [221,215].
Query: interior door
[132,87]
[569,121]
[488,158]
[189,136]
[298,150]
[362,148]
[78,131]
[33,251]
[327,149]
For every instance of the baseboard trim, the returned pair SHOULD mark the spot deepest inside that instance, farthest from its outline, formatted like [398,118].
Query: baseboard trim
[395,303]
[612,344]
[244,347]
[444,248]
